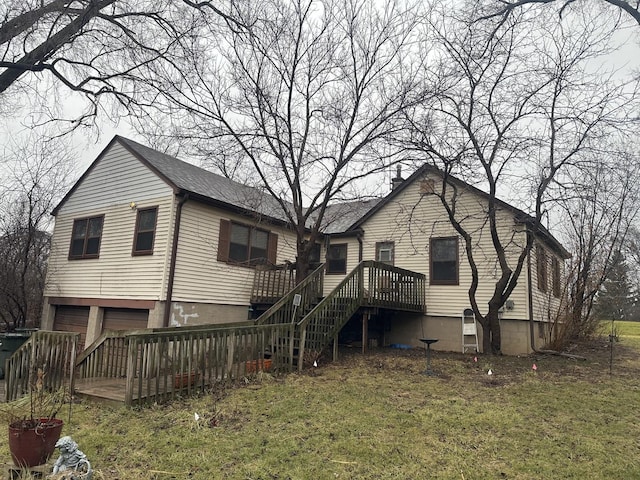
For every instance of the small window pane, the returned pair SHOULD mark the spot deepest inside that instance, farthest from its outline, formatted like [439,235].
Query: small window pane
[260,239]
[77,247]
[147,220]
[144,241]
[239,234]
[79,229]
[95,227]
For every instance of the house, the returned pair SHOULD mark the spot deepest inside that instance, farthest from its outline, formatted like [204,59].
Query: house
[144,240]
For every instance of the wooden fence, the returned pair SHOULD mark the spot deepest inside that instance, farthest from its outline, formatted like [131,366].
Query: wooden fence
[160,364]
[52,352]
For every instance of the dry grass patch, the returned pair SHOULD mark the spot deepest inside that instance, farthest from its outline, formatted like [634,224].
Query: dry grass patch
[378,416]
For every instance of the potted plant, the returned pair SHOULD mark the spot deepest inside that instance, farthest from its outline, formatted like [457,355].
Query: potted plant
[33,426]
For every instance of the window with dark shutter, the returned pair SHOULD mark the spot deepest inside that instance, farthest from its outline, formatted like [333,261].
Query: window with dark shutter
[246,245]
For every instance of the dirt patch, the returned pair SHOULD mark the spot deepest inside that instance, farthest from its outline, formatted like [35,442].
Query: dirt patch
[589,360]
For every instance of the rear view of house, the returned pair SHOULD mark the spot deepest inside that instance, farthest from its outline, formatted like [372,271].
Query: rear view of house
[144,240]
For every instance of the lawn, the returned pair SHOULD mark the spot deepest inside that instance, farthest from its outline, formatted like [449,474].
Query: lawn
[378,416]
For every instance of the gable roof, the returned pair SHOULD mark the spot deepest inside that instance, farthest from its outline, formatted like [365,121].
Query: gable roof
[199,183]
[519,215]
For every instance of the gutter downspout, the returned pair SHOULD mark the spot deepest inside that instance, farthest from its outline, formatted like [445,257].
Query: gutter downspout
[172,264]
[530,299]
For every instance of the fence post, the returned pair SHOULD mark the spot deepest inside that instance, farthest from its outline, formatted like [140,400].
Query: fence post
[132,357]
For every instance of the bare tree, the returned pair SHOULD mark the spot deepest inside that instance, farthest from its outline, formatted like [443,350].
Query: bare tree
[519,108]
[91,47]
[303,102]
[506,8]
[598,206]
[38,174]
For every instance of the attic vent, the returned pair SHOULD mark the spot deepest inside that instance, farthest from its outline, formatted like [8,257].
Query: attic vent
[427,186]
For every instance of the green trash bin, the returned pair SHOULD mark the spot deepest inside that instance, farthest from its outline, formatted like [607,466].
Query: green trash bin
[10,342]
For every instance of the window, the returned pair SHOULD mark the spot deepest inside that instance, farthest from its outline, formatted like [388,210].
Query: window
[384,252]
[555,279]
[337,258]
[145,231]
[85,238]
[246,245]
[444,261]
[314,254]
[541,256]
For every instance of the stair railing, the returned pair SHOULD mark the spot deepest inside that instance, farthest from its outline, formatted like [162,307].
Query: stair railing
[324,321]
[285,310]
[372,284]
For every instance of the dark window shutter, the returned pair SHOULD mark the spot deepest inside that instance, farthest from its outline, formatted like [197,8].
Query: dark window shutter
[224,238]
[272,249]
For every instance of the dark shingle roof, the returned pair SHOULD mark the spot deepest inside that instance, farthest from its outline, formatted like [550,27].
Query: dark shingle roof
[204,184]
[340,217]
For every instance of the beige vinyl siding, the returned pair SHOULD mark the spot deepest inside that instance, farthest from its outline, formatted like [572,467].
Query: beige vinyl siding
[116,273]
[116,180]
[411,219]
[199,276]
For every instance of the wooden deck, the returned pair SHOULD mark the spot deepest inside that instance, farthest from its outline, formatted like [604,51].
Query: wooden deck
[107,390]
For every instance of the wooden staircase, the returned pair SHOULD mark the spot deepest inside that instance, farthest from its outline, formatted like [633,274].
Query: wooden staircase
[318,319]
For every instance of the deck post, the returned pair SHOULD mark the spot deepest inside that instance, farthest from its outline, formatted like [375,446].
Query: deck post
[335,348]
[365,330]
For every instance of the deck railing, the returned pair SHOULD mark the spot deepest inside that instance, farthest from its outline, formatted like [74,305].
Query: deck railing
[53,352]
[270,283]
[105,358]
[372,284]
[163,364]
[387,286]
[285,309]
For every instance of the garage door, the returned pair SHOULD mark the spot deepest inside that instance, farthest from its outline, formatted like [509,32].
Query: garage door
[125,319]
[72,319]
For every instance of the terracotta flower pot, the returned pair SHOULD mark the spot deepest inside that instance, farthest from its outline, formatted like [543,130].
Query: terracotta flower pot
[183,380]
[32,443]
[258,365]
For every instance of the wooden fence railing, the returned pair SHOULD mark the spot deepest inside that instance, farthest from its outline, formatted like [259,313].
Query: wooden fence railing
[163,364]
[285,309]
[105,358]
[270,283]
[53,352]
[392,287]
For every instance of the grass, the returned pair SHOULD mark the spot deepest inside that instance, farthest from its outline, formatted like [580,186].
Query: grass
[378,416]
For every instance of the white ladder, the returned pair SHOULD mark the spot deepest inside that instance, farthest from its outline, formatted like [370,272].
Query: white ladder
[469,331]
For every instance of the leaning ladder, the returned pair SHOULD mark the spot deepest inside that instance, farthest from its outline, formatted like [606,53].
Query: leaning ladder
[469,331]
